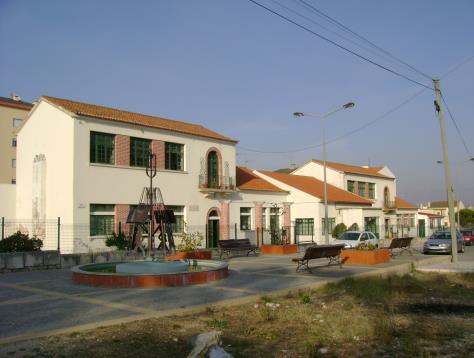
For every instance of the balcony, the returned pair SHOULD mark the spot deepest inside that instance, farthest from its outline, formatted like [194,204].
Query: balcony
[389,205]
[223,184]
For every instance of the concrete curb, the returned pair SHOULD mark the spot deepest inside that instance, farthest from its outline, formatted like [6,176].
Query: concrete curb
[401,268]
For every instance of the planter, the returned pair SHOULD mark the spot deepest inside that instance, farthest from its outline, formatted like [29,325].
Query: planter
[279,249]
[193,255]
[361,257]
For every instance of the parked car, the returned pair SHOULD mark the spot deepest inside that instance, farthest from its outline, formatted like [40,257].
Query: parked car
[440,242]
[468,235]
[351,239]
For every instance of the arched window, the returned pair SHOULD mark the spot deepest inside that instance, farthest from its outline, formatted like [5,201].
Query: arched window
[386,196]
[212,170]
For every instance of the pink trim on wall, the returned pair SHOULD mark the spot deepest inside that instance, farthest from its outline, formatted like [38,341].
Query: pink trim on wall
[122,150]
[158,148]
[224,221]
[121,214]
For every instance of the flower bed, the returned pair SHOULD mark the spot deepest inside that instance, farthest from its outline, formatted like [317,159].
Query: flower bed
[279,249]
[192,255]
[365,257]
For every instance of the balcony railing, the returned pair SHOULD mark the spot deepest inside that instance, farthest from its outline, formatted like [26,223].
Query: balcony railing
[389,205]
[222,183]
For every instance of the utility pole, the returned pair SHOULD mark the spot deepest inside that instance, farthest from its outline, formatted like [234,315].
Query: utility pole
[449,186]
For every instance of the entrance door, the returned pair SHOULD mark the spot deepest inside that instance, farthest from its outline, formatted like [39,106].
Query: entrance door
[213,229]
[212,170]
[421,228]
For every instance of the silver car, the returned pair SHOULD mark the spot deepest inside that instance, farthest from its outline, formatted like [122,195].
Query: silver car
[440,242]
[351,239]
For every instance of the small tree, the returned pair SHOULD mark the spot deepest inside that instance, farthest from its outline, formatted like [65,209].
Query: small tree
[19,242]
[339,229]
[119,241]
[190,241]
[466,217]
[354,227]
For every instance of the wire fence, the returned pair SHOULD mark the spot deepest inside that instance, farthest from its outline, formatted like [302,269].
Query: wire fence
[77,238]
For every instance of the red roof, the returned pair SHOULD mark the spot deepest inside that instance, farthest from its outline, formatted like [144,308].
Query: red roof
[247,180]
[315,187]
[8,102]
[403,204]
[118,115]
[353,169]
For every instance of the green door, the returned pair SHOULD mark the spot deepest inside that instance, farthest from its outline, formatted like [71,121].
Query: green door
[213,226]
[212,170]
[421,228]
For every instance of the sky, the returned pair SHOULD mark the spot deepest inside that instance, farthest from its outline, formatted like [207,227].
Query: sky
[242,71]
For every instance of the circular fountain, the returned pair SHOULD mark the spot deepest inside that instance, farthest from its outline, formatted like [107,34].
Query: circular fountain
[150,273]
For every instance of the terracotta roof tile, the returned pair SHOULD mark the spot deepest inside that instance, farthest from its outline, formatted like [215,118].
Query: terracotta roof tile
[315,187]
[403,204]
[8,102]
[354,169]
[247,180]
[441,204]
[430,215]
[91,110]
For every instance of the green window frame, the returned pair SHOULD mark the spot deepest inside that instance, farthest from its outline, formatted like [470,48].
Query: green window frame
[330,226]
[178,227]
[174,156]
[264,218]
[101,219]
[140,150]
[245,219]
[361,188]
[102,148]
[371,224]
[304,226]
[274,219]
[371,190]
[350,186]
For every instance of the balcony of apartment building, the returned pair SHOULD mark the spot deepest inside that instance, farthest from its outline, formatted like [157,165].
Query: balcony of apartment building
[388,204]
[216,184]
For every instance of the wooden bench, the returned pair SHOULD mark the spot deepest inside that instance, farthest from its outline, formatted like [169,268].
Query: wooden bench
[226,247]
[331,252]
[402,243]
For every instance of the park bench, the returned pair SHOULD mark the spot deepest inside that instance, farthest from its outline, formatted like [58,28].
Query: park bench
[226,247]
[402,243]
[331,252]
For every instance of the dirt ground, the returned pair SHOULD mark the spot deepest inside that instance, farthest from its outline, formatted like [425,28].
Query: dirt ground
[414,315]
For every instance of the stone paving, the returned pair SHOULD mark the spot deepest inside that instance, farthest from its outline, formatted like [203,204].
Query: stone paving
[42,303]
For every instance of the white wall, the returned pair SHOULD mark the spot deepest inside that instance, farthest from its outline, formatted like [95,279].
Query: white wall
[380,184]
[316,170]
[8,201]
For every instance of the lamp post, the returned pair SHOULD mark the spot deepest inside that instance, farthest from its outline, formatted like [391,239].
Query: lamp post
[322,118]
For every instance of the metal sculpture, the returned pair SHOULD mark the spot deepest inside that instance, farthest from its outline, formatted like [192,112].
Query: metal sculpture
[152,216]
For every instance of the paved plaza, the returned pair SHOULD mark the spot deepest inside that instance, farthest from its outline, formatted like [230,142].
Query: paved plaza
[43,303]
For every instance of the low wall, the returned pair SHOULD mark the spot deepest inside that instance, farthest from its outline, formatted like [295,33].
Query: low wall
[44,260]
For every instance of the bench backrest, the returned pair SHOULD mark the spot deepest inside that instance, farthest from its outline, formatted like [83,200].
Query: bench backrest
[400,242]
[317,252]
[231,244]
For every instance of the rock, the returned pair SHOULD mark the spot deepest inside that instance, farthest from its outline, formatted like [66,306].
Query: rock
[202,342]
[218,352]
[323,350]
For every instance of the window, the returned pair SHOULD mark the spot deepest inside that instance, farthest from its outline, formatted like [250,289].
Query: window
[364,237]
[17,122]
[274,219]
[304,226]
[371,224]
[371,190]
[139,152]
[14,142]
[330,226]
[101,219]
[13,163]
[361,186]
[245,219]
[264,218]
[350,186]
[13,181]
[178,211]
[174,156]
[102,148]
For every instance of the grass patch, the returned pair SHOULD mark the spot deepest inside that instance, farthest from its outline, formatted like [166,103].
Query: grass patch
[413,315]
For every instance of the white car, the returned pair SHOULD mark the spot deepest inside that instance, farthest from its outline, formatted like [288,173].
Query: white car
[351,239]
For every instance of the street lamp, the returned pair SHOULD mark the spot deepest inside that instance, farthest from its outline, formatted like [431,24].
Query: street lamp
[322,118]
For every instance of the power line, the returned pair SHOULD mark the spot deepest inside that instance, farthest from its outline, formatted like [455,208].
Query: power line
[334,32]
[456,126]
[343,27]
[340,46]
[447,73]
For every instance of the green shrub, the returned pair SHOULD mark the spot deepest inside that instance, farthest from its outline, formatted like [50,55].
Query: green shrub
[190,242]
[354,227]
[19,242]
[366,247]
[119,241]
[338,230]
